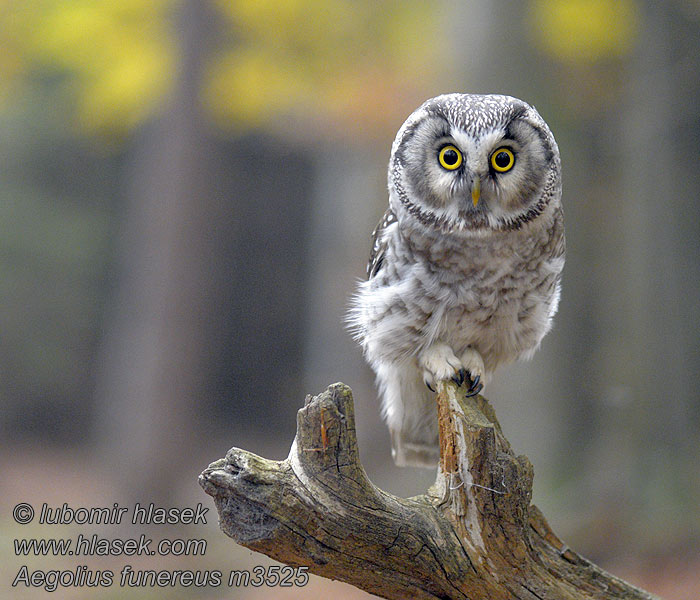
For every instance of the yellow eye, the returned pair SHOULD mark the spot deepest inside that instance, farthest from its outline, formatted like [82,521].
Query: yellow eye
[450,158]
[502,160]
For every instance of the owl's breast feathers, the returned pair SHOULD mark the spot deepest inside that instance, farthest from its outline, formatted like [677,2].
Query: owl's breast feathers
[496,293]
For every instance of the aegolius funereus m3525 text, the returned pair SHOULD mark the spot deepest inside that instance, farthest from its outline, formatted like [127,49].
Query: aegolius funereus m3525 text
[465,266]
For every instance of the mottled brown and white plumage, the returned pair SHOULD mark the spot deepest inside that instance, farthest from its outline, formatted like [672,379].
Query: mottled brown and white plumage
[465,265]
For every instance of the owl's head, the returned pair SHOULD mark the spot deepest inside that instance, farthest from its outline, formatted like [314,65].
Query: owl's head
[467,162]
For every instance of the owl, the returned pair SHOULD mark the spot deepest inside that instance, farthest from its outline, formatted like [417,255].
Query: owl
[465,267]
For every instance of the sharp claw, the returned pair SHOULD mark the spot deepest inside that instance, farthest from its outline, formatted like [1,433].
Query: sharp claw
[475,382]
[459,377]
[425,381]
[474,391]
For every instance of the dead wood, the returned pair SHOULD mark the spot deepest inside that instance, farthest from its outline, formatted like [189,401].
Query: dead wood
[473,535]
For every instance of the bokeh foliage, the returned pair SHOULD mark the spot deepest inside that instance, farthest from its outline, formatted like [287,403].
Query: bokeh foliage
[584,31]
[116,59]
[320,61]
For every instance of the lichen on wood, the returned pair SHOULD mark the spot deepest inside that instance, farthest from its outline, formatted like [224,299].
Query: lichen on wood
[473,535]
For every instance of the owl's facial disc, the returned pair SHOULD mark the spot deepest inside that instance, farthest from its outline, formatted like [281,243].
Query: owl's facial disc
[473,162]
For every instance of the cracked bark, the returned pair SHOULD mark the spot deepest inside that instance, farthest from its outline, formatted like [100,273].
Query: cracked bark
[473,535]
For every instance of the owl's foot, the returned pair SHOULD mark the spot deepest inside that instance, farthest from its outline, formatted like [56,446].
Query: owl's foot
[474,368]
[439,363]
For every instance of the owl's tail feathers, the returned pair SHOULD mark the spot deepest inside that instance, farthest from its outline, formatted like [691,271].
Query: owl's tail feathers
[407,453]
[410,412]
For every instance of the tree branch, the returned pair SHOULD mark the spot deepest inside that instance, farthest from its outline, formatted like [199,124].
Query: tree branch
[474,535]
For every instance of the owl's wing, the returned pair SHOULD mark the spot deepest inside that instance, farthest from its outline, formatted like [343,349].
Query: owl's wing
[376,255]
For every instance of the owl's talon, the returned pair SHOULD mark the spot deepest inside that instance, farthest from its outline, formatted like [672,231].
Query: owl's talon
[475,385]
[459,377]
[427,384]
[473,391]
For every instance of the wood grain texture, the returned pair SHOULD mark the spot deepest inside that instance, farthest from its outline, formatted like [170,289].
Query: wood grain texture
[473,535]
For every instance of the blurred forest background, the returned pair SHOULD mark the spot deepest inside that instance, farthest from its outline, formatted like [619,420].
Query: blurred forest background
[187,191]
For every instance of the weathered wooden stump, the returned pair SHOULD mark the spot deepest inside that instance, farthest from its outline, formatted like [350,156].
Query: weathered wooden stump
[474,535]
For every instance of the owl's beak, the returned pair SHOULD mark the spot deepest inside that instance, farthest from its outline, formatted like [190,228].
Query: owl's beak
[476,191]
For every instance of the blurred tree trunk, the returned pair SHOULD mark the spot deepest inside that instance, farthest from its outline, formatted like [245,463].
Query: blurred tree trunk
[151,372]
[659,254]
